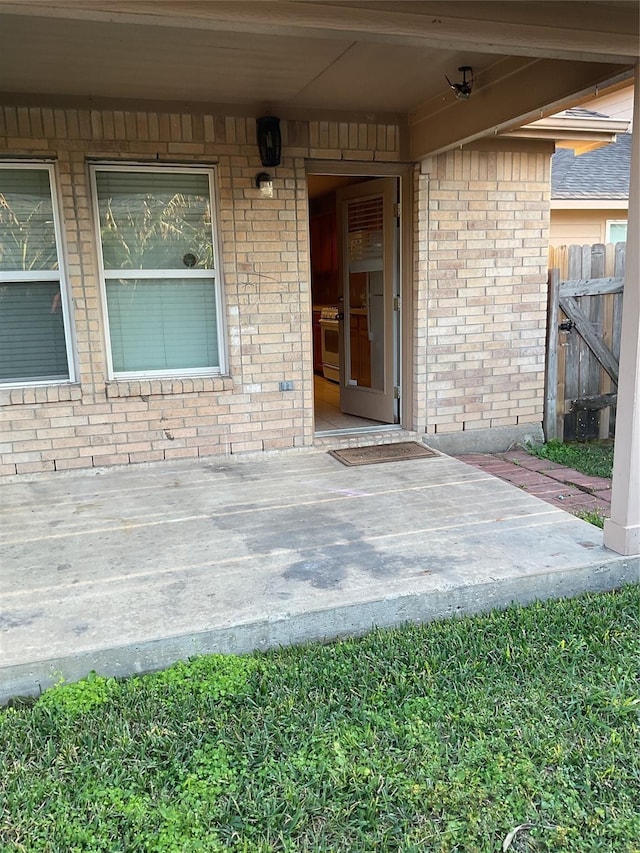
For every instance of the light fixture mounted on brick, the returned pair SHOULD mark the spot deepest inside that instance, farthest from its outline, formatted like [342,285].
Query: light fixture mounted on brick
[264,183]
[269,140]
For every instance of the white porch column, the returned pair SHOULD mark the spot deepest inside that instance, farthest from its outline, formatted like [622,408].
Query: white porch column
[622,530]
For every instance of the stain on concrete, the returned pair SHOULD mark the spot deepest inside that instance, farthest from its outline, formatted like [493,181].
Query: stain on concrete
[19,619]
[172,597]
[318,569]
[236,473]
[326,568]
[88,506]
[304,529]
[328,547]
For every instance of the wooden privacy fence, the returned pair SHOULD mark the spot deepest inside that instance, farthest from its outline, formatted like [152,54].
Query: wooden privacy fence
[583,340]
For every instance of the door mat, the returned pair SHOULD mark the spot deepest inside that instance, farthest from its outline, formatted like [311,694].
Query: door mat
[377,453]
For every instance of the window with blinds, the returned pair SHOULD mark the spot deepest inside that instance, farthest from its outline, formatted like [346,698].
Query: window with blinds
[160,268]
[364,226]
[34,333]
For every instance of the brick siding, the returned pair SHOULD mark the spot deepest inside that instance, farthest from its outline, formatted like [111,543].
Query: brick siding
[478,288]
[482,228]
[264,241]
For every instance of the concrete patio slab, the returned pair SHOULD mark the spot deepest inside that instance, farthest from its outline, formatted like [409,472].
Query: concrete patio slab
[125,570]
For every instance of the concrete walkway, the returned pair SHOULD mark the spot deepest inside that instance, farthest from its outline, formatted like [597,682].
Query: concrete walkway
[125,570]
[547,480]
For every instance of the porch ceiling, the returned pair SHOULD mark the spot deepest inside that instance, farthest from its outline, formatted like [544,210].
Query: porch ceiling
[301,57]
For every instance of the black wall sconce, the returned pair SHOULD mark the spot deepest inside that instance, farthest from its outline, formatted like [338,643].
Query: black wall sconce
[269,140]
[463,89]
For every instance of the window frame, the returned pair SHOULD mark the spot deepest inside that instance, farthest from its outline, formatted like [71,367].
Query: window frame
[214,273]
[59,275]
[609,223]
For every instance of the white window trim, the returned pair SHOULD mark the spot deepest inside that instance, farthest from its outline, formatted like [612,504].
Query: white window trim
[215,273]
[164,273]
[59,275]
[38,275]
[609,223]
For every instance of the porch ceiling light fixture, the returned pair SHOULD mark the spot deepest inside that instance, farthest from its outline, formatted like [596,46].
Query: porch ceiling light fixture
[463,89]
[269,140]
[264,182]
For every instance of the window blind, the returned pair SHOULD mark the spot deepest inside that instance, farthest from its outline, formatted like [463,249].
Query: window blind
[167,324]
[32,339]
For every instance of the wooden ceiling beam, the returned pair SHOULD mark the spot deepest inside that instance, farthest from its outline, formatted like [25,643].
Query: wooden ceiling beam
[596,32]
[512,93]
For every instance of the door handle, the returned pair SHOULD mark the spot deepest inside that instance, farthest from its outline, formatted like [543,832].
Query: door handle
[340,315]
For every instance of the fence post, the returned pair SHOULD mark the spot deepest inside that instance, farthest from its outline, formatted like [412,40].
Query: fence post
[550,421]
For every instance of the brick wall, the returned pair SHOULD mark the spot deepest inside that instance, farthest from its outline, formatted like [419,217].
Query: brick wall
[94,421]
[479,291]
[481,281]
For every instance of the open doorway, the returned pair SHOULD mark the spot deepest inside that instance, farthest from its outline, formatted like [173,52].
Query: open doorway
[354,247]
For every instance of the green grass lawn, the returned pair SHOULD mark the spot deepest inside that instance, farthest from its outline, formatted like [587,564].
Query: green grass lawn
[444,737]
[594,458]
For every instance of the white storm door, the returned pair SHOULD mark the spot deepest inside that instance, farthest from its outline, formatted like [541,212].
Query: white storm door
[367,250]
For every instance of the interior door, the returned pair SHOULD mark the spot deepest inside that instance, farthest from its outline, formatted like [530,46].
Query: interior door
[368,259]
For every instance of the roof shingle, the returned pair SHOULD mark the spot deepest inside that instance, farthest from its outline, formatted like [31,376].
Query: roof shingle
[603,173]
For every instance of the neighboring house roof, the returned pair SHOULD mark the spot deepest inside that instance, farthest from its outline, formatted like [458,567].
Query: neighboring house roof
[585,126]
[582,112]
[603,173]
[577,128]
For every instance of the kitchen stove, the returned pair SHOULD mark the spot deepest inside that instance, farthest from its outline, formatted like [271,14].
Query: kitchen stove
[330,336]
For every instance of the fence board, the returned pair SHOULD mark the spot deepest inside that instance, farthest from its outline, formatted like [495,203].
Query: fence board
[604,426]
[594,310]
[616,328]
[574,267]
[551,425]
[597,260]
[610,259]
[591,286]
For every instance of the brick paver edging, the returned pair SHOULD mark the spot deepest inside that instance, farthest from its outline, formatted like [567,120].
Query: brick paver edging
[551,482]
